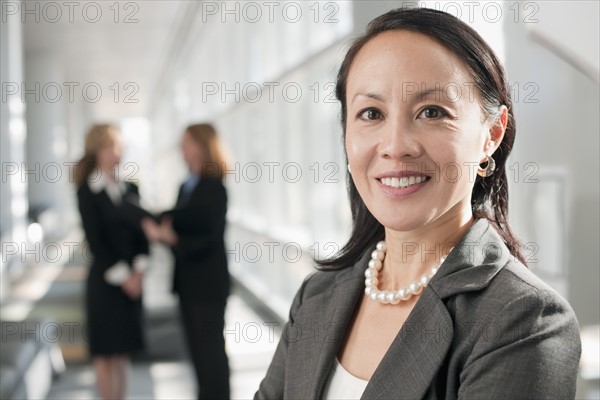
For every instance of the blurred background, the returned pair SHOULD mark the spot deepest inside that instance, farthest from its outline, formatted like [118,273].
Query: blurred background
[263,73]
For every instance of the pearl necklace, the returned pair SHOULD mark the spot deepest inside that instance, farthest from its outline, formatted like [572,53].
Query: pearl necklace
[392,296]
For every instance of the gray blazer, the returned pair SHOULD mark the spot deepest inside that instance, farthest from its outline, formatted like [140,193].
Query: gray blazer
[485,328]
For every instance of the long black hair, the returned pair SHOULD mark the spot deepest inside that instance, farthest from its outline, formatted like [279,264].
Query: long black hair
[490,195]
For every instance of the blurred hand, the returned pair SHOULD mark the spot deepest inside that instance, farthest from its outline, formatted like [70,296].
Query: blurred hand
[133,285]
[167,233]
[151,229]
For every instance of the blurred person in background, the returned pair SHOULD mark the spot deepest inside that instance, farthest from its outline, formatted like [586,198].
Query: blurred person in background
[111,214]
[194,230]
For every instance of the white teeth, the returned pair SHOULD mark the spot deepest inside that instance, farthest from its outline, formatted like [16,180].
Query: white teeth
[403,182]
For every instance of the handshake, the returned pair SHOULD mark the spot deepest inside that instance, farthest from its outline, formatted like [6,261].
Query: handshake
[160,232]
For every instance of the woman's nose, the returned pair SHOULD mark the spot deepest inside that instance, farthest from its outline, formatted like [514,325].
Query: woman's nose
[398,141]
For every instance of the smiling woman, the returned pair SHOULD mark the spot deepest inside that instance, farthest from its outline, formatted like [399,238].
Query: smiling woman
[430,297]
[393,137]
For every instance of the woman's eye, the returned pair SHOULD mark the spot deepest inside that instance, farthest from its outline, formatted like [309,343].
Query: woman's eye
[370,114]
[433,113]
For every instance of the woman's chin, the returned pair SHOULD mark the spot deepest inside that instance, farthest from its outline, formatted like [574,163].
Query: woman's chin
[408,223]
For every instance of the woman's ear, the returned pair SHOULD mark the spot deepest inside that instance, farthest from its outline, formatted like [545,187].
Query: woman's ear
[497,130]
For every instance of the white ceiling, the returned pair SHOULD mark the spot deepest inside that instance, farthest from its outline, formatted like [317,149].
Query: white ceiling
[143,51]
[571,32]
[106,52]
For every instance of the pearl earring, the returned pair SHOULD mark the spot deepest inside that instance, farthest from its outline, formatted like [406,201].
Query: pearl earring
[349,169]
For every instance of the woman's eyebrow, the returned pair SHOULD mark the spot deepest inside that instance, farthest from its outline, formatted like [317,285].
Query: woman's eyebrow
[423,94]
[415,96]
[373,96]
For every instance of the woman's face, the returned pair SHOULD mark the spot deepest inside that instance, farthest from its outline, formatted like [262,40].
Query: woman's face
[414,130]
[109,156]
[193,153]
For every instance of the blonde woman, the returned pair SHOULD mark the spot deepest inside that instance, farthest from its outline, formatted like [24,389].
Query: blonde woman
[194,230]
[110,215]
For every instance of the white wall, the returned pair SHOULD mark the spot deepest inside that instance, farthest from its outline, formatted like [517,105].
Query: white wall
[287,185]
[13,189]
[557,145]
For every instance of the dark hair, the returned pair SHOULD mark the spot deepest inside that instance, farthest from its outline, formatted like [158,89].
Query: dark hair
[490,195]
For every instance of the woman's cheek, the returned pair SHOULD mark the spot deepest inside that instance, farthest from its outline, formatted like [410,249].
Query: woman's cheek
[357,145]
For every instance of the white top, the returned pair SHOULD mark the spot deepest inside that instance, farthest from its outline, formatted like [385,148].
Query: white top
[114,190]
[341,384]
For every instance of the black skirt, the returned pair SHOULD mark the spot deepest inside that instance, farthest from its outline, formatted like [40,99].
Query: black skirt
[114,321]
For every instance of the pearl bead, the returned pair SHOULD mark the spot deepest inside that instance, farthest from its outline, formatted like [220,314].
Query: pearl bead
[403,294]
[390,296]
[386,296]
[371,281]
[375,264]
[377,255]
[370,272]
[415,288]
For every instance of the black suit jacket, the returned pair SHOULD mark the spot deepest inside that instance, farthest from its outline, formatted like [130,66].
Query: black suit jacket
[484,328]
[113,231]
[201,273]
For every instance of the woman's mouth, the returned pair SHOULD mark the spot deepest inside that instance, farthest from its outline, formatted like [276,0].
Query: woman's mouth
[403,182]
[402,186]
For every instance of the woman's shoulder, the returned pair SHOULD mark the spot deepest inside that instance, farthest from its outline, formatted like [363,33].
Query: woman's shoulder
[132,186]
[212,181]
[516,281]
[315,283]
[321,281]
[84,190]
[210,184]
[516,300]
[484,278]
[517,313]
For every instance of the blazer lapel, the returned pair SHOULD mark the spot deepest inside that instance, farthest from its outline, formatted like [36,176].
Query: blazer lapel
[179,195]
[410,365]
[348,291]
[327,317]
[413,359]
[416,355]
[473,262]
[184,196]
